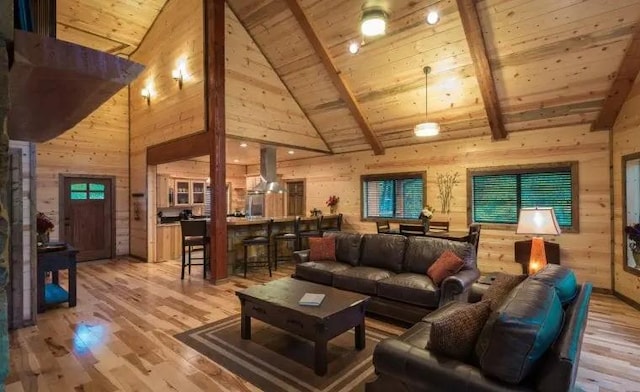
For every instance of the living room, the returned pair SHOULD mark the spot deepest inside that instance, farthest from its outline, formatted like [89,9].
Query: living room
[557,100]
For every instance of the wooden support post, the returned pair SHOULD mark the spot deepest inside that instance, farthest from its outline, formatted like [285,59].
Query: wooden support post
[214,69]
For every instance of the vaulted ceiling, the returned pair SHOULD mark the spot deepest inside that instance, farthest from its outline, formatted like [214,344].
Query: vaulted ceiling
[551,62]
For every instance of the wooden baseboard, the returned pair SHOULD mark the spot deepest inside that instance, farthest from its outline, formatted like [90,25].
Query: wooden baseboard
[601,290]
[627,300]
[138,258]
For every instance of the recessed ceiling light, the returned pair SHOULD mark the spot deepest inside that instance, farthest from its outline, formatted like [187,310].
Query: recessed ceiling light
[433,17]
[243,145]
[354,48]
[291,152]
[235,161]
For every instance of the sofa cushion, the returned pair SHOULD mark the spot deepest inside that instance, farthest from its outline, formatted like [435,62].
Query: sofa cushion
[455,333]
[322,249]
[347,246]
[319,271]
[519,332]
[562,279]
[416,289]
[500,288]
[360,279]
[422,252]
[447,264]
[384,251]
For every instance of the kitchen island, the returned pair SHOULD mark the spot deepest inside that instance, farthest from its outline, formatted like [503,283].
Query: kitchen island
[168,238]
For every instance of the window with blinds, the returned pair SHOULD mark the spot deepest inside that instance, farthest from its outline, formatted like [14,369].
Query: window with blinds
[498,194]
[392,196]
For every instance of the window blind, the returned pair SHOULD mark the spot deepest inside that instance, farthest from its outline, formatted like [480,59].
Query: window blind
[400,198]
[497,198]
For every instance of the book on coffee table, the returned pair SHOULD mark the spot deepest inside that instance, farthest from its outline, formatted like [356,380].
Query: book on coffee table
[309,299]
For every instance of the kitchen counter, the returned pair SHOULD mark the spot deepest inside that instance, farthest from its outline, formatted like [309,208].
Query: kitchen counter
[232,221]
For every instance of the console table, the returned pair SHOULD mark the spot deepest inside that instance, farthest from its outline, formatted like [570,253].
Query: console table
[53,258]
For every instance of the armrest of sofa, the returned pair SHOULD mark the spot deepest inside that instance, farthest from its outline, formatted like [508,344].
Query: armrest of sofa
[301,256]
[456,287]
[423,370]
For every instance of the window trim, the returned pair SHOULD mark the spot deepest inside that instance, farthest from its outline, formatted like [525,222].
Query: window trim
[391,176]
[623,169]
[521,169]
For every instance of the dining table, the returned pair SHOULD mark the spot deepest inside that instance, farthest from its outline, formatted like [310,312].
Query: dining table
[454,235]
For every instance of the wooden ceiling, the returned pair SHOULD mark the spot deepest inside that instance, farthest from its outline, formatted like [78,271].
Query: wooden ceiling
[115,26]
[553,63]
[550,62]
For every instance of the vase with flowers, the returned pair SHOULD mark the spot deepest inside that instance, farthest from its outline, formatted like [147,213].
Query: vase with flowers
[425,216]
[633,234]
[44,226]
[332,203]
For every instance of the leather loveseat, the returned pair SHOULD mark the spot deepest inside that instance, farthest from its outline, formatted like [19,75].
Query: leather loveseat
[530,342]
[392,269]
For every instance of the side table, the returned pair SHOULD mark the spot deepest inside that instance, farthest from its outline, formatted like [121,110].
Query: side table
[53,258]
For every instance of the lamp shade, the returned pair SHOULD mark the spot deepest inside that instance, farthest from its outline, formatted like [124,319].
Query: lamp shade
[426,129]
[538,221]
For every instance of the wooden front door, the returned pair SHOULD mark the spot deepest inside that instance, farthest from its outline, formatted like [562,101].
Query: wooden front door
[295,198]
[88,216]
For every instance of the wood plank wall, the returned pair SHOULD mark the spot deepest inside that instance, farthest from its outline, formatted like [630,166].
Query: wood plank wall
[98,145]
[626,140]
[587,252]
[176,36]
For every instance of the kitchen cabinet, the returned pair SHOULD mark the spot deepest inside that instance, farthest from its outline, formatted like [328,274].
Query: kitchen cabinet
[164,191]
[183,192]
[198,189]
[252,182]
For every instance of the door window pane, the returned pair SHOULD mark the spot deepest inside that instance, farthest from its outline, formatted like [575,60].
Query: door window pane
[96,195]
[78,187]
[96,187]
[78,195]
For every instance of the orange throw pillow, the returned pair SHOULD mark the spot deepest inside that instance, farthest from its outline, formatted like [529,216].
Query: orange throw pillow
[447,264]
[322,248]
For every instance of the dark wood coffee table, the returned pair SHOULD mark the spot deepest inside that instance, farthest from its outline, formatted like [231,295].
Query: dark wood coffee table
[276,303]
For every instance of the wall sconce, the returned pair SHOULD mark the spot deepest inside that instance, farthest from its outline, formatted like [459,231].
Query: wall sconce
[179,74]
[146,94]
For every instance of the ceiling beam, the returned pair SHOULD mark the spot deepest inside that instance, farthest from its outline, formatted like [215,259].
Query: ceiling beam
[478,49]
[336,77]
[621,87]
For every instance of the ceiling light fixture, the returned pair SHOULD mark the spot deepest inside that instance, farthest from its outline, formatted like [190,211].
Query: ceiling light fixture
[433,17]
[354,47]
[426,128]
[291,152]
[235,161]
[373,22]
[243,145]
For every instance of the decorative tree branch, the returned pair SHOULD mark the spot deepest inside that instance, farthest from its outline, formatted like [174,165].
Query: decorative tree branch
[446,182]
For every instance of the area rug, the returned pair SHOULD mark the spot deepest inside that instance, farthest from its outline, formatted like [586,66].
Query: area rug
[274,360]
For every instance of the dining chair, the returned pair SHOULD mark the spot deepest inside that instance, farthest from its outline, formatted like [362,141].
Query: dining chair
[474,236]
[383,227]
[333,223]
[439,226]
[194,236]
[412,229]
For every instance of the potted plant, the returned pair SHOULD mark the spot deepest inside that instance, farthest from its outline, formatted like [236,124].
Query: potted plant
[44,226]
[633,234]
[425,216]
[332,203]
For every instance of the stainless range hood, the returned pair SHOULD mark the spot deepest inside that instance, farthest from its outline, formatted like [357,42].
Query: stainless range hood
[268,176]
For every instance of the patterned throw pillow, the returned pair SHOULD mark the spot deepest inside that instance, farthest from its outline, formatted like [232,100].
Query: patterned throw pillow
[447,264]
[502,285]
[322,248]
[455,333]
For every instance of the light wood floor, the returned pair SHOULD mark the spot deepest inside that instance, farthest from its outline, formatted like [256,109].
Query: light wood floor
[119,337]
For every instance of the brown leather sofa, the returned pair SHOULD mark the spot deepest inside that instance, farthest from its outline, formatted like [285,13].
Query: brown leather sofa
[510,354]
[392,269]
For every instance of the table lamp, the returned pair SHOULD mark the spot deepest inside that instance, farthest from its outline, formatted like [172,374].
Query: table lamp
[537,221]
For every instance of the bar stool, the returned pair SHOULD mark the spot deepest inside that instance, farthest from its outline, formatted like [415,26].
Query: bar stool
[286,237]
[194,234]
[259,240]
[326,223]
[314,230]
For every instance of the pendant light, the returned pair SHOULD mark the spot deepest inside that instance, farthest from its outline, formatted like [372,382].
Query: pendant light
[426,128]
